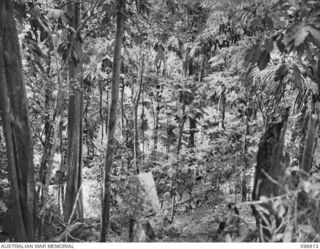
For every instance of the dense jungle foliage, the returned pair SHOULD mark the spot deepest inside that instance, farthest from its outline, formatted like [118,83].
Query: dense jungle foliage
[145,120]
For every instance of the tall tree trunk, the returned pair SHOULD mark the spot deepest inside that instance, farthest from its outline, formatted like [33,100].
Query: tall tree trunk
[245,161]
[155,135]
[173,207]
[181,126]
[52,151]
[299,133]
[135,113]
[193,127]
[222,106]
[74,151]
[193,120]
[47,132]
[179,145]
[112,119]
[269,170]
[122,113]
[131,226]
[168,143]
[17,132]
[202,69]
[188,71]
[311,136]
[156,124]
[44,160]
[89,127]
[307,156]
[143,128]
[62,168]
[48,97]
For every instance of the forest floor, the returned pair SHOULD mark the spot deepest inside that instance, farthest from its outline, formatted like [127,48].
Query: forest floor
[201,224]
[197,225]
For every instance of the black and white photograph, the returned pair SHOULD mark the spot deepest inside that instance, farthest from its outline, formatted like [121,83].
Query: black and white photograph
[159,121]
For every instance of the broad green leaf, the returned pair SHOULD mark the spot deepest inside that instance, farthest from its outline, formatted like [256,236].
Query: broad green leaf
[300,50]
[263,60]
[269,22]
[253,54]
[280,45]
[282,71]
[300,35]
[269,45]
[296,77]
[55,40]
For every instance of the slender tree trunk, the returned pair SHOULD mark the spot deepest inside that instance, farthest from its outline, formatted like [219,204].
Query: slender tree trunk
[131,226]
[155,136]
[173,208]
[245,161]
[101,111]
[202,69]
[105,216]
[188,70]
[193,120]
[89,128]
[54,135]
[136,105]
[44,161]
[74,156]
[156,125]
[48,97]
[307,156]
[168,138]
[47,129]
[222,107]
[17,132]
[47,135]
[311,136]
[193,127]
[299,133]
[179,144]
[143,128]
[181,126]
[62,169]
[122,113]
